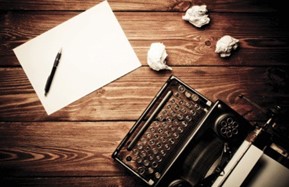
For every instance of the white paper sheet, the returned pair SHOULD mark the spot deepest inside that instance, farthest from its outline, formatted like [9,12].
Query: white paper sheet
[95,52]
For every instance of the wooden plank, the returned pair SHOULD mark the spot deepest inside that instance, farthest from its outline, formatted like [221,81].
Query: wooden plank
[61,148]
[140,5]
[126,98]
[122,181]
[62,153]
[262,40]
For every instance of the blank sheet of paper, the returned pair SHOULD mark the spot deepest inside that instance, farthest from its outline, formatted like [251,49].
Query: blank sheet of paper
[95,52]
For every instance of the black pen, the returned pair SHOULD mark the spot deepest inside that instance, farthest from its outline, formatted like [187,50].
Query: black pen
[50,78]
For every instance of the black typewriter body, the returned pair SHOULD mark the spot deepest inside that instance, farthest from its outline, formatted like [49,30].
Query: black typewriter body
[182,138]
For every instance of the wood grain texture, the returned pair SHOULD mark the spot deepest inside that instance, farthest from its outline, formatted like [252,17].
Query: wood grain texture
[59,149]
[73,146]
[127,97]
[186,45]
[140,5]
[79,152]
[117,181]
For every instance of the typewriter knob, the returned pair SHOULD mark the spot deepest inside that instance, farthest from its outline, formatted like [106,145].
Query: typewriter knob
[226,126]
[180,183]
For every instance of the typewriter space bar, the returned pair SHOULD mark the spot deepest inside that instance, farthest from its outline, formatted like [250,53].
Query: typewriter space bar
[147,123]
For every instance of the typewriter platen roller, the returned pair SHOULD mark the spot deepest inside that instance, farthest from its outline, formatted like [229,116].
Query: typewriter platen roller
[181,138]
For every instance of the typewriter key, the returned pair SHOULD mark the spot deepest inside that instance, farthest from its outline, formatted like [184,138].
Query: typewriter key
[183,110]
[135,152]
[177,107]
[167,147]
[185,124]
[181,89]
[180,129]
[169,119]
[150,170]
[172,141]
[150,157]
[194,97]
[181,102]
[148,135]
[139,160]
[154,164]
[156,136]
[143,154]
[188,94]
[177,94]
[176,135]
[161,118]
[140,146]
[188,118]
[163,153]
[158,158]
[189,105]
[146,163]
[180,117]
[155,151]
[157,175]
[159,145]
[141,170]
[169,106]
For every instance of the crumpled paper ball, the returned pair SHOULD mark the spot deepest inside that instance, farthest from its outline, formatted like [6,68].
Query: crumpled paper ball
[197,15]
[226,45]
[156,57]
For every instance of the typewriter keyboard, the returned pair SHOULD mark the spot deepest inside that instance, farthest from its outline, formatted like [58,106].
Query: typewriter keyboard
[161,133]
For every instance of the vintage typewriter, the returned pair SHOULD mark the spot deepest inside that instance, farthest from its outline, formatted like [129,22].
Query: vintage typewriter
[182,138]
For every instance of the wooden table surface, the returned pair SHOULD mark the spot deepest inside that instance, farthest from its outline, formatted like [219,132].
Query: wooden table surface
[73,146]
